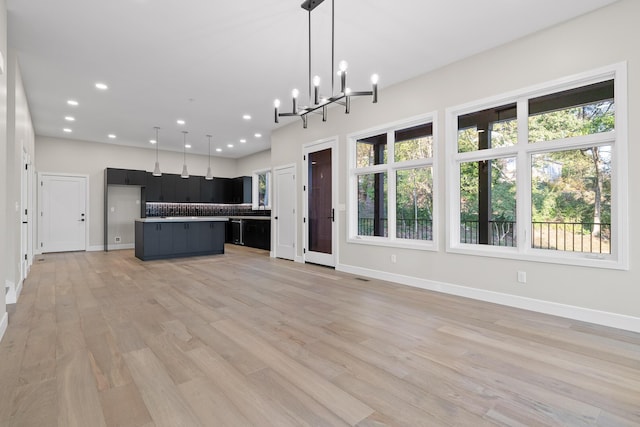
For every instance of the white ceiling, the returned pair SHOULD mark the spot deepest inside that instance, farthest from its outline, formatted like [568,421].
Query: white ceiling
[209,62]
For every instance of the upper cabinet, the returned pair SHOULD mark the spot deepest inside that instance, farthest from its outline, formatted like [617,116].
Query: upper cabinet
[241,190]
[171,188]
[214,191]
[125,177]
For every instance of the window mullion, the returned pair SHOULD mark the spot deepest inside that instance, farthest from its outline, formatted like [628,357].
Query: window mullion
[391,190]
[523,178]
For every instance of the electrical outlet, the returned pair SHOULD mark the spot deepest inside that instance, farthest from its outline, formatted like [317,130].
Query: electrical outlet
[522,276]
[118,239]
[393,258]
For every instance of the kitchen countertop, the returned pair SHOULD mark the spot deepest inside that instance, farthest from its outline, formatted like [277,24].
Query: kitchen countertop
[200,218]
[183,219]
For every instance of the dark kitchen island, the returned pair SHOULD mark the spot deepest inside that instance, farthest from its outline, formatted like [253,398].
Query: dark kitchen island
[173,237]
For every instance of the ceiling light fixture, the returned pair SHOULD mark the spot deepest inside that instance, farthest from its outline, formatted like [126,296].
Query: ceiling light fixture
[185,172]
[242,141]
[180,122]
[67,130]
[70,118]
[209,176]
[101,86]
[316,102]
[258,135]
[72,102]
[156,169]
[112,136]
[246,117]
[218,150]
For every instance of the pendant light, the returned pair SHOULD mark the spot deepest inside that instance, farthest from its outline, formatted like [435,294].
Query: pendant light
[185,173]
[209,176]
[156,170]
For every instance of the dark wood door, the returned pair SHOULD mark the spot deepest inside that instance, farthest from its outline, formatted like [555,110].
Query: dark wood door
[320,202]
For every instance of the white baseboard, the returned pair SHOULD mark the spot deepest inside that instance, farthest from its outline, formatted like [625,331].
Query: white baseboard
[114,247]
[299,259]
[19,289]
[598,317]
[3,324]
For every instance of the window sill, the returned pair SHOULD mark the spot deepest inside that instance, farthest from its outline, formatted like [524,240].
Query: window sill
[422,245]
[541,255]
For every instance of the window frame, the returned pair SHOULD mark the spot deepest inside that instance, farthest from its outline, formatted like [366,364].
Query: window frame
[391,167]
[255,204]
[523,150]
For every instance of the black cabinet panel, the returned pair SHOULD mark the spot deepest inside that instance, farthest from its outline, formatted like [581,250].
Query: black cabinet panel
[125,177]
[158,240]
[153,189]
[169,185]
[188,189]
[257,233]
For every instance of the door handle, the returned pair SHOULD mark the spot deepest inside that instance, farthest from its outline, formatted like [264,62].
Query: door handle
[275,217]
[333,216]
[80,220]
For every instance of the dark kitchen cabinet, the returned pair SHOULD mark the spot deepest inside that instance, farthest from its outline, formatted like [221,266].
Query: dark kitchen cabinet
[213,191]
[153,188]
[188,189]
[158,240]
[160,188]
[153,239]
[257,233]
[125,177]
[240,190]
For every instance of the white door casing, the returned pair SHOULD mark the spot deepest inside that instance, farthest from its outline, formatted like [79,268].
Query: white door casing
[284,212]
[322,258]
[63,213]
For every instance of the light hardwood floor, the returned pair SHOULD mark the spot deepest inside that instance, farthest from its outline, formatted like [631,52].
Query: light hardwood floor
[103,339]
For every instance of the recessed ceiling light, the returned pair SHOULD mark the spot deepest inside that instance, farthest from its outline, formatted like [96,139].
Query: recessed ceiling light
[112,136]
[70,118]
[218,149]
[153,141]
[243,141]
[246,117]
[72,102]
[180,121]
[67,130]
[258,135]
[230,145]
[101,86]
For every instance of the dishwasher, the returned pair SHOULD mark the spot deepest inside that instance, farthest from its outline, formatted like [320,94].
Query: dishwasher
[236,232]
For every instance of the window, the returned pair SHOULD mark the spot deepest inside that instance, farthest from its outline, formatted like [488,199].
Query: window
[392,185]
[536,177]
[261,190]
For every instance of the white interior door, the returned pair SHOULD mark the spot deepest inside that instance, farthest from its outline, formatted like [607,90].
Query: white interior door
[63,213]
[285,210]
[320,162]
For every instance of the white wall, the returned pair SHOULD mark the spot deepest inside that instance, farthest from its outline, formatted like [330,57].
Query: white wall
[604,37]
[3,164]
[257,161]
[66,156]
[20,138]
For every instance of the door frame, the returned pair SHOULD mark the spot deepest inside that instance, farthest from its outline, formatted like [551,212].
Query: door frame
[276,208]
[312,147]
[87,203]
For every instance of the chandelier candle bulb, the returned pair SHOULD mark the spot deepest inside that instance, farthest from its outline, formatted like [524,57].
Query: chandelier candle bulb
[316,90]
[294,98]
[276,105]
[374,84]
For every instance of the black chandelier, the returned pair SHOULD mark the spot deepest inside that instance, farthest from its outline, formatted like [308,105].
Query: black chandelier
[320,104]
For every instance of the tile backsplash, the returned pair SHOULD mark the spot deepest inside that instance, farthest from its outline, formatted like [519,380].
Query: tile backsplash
[154,209]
